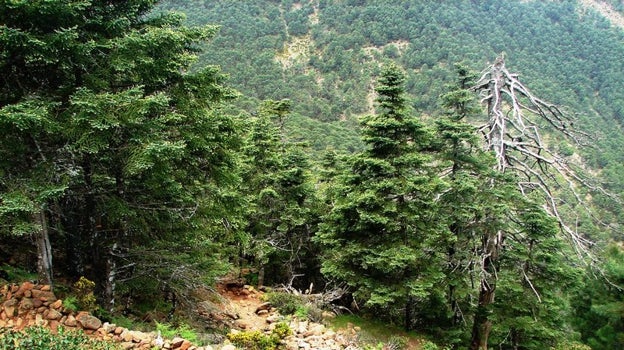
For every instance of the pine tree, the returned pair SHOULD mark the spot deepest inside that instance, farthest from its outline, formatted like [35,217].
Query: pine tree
[496,235]
[379,230]
[281,201]
[109,142]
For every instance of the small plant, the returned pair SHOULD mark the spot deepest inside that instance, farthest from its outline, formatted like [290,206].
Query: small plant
[256,340]
[286,303]
[183,330]
[282,330]
[397,342]
[83,289]
[568,345]
[41,338]
[302,312]
[429,346]
[70,303]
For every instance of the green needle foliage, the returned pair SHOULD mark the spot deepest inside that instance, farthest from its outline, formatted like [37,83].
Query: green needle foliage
[380,227]
[110,143]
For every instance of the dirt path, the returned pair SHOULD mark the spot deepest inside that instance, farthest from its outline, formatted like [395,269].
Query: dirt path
[244,301]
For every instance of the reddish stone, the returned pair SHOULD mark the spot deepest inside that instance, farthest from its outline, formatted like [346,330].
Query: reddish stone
[43,295]
[185,345]
[53,315]
[54,324]
[57,304]
[88,322]
[176,342]
[37,303]
[70,321]
[26,304]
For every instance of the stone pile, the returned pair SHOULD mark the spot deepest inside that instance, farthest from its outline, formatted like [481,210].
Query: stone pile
[28,305]
[309,335]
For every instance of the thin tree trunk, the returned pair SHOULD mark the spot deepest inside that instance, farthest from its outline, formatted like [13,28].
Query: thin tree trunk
[492,240]
[482,324]
[409,311]
[44,249]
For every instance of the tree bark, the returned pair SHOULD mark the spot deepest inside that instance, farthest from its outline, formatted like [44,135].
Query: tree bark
[44,249]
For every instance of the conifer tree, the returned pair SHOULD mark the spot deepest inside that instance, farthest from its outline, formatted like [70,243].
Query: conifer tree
[109,143]
[526,270]
[281,202]
[381,225]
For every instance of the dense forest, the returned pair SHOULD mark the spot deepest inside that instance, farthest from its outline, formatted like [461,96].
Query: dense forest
[453,168]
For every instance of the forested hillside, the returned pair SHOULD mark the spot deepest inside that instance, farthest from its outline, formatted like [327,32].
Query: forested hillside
[454,168]
[324,55]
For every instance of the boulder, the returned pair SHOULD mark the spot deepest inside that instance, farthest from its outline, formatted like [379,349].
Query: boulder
[89,322]
[53,314]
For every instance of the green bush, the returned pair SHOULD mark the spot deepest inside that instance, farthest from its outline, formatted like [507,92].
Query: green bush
[183,330]
[41,338]
[397,342]
[256,340]
[286,303]
[429,346]
[70,303]
[571,346]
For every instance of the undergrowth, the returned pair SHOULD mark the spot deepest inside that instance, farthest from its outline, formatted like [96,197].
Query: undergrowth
[41,338]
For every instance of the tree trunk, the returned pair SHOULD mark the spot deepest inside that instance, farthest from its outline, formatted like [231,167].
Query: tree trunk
[409,311]
[497,123]
[482,324]
[109,285]
[44,249]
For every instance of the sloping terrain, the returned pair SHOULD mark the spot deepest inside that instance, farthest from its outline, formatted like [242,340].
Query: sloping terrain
[605,10]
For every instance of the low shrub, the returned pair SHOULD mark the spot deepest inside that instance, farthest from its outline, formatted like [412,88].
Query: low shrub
[256,340]
[41,338]
[70,303]
[183,330]
[285,303]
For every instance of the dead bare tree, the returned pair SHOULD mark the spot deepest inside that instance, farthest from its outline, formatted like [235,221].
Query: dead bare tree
[512,134]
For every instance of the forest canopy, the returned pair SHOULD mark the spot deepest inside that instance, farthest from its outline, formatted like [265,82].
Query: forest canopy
[454,168]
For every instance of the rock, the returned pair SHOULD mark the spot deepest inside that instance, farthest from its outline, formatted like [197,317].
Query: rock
[241,324]
[10,307]
[43,295]
[57,304]
[25,305]
[328,315]
[126,336]
[330,334]
[46,288]
[315,330]
[185,345]
[37,303]
[53,315]
[262,312]
[109,327]
[127,345]
[228,347]
[176,342]
[140,337]
[25,287]
[70,321]
[273,318]
[303,345]
[54,325]
[263,306]
[303,327]
[89,322]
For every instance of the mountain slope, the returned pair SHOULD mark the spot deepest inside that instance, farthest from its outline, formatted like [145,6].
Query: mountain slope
[323,55]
